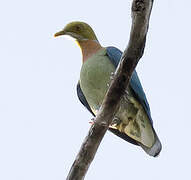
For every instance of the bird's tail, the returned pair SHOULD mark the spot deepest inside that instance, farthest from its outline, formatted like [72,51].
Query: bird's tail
[155,149]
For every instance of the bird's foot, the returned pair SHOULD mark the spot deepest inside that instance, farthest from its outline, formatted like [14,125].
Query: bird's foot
[92,121]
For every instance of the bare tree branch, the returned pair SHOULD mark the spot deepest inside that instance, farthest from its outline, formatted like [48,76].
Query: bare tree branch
[141,10]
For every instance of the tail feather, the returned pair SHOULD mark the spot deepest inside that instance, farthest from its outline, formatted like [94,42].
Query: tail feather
[155,149]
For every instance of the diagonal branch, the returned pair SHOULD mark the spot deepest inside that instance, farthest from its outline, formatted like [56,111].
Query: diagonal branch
[141,10]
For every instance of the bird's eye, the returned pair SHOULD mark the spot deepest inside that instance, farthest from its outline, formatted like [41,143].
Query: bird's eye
[78,28]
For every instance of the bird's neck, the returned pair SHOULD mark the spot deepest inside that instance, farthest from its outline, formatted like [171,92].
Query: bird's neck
[89,47]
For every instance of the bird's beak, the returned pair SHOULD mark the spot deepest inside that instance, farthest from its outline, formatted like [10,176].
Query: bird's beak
[60,33]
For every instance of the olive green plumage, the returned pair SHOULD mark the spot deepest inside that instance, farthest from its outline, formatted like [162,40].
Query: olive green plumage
[78,30]
[133,120]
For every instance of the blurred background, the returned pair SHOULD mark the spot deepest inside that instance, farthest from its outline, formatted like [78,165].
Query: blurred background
[43,124]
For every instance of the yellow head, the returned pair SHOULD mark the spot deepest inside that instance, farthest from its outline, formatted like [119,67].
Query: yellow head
[78,30]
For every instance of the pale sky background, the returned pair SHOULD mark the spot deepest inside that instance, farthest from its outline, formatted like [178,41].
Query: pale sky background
[42,123]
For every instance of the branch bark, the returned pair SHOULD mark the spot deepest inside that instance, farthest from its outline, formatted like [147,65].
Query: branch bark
[141,10]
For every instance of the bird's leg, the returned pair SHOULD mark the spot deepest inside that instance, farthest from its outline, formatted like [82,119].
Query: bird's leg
[92,121]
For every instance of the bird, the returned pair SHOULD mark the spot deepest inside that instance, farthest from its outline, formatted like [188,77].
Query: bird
[132,121]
